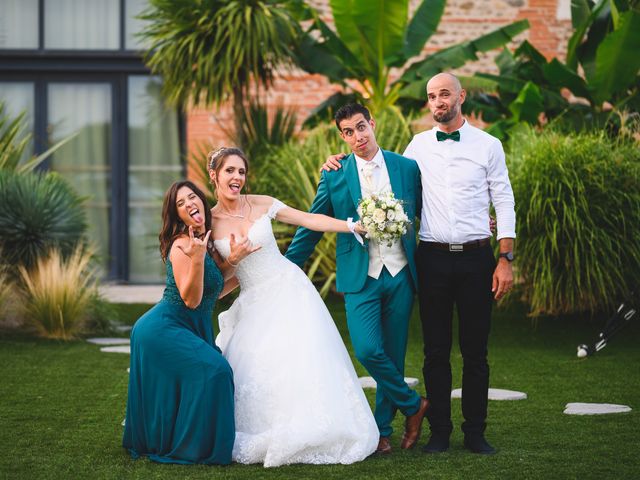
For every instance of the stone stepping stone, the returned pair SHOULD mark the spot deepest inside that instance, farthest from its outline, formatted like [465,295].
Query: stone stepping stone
[495,394]
[109,341]
[117,349]
[122,328]
[594,408]
[368,382]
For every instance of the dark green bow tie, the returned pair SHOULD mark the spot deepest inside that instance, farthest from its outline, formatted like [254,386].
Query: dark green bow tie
[441,136]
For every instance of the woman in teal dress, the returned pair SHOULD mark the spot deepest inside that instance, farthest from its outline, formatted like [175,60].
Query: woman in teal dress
[180,403]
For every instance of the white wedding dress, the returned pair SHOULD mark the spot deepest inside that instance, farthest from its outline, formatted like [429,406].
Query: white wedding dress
[297,396]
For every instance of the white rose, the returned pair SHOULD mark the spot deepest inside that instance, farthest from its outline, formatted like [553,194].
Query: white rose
[391,215]
[379,215]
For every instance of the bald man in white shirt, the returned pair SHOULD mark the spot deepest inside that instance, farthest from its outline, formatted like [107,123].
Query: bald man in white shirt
[463,171]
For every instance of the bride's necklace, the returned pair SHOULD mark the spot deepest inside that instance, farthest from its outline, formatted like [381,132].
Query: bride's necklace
[233,215]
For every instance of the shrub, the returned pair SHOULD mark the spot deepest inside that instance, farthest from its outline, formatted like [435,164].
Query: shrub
[58,293]
[38,212]
[578,210]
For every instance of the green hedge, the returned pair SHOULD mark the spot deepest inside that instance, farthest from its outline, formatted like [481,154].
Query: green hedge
[578,213]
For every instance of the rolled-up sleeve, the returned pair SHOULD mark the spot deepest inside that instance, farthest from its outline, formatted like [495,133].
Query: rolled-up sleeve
[500,192]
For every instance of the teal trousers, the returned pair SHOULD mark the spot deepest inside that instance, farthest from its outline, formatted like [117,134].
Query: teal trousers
[378,321]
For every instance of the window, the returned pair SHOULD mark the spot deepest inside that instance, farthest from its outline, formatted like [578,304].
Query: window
[81,76]
[104,25]
[19,24]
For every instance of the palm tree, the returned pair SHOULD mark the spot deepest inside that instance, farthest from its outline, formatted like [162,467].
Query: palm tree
[211,50]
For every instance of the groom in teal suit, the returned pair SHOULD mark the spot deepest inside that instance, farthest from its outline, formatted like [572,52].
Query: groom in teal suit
[378,281]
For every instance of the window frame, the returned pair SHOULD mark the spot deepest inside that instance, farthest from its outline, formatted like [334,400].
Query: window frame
[43,67]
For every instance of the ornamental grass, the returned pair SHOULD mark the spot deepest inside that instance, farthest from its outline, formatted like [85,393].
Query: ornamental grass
[58,293]
[578,213]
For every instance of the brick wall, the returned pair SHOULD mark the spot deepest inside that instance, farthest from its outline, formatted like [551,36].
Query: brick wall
[463,20]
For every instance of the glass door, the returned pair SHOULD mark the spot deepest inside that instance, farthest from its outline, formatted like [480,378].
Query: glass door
[154,163]
[85,110]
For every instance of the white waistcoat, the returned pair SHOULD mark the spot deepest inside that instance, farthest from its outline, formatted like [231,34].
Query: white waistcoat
[380,255]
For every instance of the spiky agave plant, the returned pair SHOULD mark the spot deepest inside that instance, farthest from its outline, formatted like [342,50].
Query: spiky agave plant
[58,292]
[38,212]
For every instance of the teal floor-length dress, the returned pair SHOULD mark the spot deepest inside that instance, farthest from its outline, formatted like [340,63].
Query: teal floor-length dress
[180,401]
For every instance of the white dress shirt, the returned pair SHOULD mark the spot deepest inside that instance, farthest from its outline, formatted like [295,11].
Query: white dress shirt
[459,181]
[380,255]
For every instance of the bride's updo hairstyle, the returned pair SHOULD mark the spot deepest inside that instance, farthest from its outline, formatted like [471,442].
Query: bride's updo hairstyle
[216,160]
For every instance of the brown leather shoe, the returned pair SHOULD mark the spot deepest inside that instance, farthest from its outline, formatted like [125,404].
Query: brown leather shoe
[384,446]
[413,424]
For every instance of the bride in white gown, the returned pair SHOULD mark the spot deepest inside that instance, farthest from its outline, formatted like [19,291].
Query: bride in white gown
[297,396]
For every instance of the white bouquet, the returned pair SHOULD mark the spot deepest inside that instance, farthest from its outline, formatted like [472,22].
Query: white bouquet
[383,217]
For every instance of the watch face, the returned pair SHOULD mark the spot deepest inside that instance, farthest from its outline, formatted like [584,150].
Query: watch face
[507,255]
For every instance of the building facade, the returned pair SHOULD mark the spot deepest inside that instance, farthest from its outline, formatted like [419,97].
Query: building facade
[75,67]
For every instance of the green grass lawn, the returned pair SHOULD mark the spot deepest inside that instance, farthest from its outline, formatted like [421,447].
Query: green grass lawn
[62,404]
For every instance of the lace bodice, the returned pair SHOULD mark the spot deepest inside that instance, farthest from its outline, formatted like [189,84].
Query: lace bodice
[213,283]
[297,396]
[264,264]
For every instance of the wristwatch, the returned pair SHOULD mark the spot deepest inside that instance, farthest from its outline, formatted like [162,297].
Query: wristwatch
[507,255]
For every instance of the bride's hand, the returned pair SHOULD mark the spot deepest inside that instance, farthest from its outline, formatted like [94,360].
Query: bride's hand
[359,228]
[196,248]
[240,249]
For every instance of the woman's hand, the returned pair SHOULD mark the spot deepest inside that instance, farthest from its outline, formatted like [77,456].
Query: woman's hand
[196,248]
[240,249]
[360,229]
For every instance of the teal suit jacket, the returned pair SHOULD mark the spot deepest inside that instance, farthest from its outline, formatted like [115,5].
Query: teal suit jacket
[338,196]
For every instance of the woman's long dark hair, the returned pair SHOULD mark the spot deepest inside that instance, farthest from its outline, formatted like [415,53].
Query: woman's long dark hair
[172,226]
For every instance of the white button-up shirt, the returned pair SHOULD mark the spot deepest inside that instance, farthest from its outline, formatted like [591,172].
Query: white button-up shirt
[459,180]
[380,255]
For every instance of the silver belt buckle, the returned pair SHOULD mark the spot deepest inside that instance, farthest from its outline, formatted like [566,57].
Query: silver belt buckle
[456,247]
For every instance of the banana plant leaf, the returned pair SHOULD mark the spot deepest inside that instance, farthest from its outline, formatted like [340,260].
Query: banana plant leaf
[618,59]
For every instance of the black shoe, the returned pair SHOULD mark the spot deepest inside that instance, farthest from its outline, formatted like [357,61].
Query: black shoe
[436,444]
[478,444]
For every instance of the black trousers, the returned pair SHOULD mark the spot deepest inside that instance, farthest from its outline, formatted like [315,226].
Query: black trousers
[462,279]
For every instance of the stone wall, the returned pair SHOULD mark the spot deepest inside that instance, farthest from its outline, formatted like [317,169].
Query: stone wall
[463,20]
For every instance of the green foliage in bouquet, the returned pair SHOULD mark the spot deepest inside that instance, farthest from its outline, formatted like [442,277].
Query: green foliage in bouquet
[578,212]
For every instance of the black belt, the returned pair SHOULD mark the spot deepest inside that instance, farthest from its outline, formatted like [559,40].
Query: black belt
[457,247]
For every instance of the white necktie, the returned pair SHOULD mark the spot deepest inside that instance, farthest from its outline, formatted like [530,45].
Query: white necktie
[367,175]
